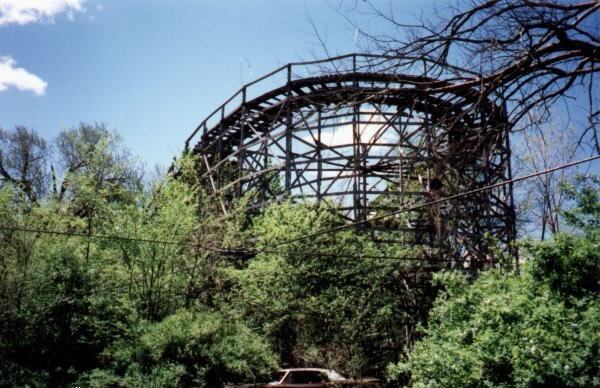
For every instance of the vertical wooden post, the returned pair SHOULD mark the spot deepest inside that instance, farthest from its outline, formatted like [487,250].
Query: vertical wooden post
[241,153]
[288,134]
[510,218]
[265,164]
[355,165]
[319,155]
[219,155]
[400,156]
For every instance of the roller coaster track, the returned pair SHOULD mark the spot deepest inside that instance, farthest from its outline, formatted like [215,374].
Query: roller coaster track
[368,136]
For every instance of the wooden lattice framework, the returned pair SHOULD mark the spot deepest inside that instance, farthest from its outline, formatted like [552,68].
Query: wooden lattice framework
[370,139]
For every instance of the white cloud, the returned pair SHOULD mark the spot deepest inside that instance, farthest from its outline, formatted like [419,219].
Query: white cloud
[30,11]
[17,77]
[343,134]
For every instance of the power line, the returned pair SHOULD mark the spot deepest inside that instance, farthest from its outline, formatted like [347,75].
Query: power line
[107,237]
[438,201]
[235,251]
[251,252]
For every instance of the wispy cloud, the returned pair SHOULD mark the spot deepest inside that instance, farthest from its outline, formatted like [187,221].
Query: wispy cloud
[19,78]
[31,11]
[344,135]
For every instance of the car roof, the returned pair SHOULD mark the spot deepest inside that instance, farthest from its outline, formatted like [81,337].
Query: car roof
[330,373]
[305,369]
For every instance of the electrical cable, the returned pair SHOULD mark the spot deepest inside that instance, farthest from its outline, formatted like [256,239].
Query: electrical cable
[438,201]
[252,252]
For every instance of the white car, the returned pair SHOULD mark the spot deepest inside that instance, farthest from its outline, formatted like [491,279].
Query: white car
[316,377]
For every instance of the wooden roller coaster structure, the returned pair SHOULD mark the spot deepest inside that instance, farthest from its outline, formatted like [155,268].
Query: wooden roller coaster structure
[369,138]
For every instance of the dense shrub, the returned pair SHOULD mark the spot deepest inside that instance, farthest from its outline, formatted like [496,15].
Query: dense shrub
[201,349]
[538,328]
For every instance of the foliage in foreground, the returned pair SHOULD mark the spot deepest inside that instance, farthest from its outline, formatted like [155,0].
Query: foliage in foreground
[341,308]
[150,301]
[122,308]
[200,349]
[537,328]
[145,303]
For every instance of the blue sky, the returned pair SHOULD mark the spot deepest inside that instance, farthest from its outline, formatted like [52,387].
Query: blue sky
[152,69]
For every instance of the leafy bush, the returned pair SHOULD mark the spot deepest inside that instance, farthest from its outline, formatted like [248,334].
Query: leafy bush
[200,349]
[343,312]
[539,328]
[66,314]
[570,265]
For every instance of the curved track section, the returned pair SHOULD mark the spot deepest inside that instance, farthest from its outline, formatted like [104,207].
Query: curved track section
[369,142]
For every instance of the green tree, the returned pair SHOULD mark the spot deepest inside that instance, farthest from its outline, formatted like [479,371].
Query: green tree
[23,158]
[160,266]
[316,307]
[535,328]
[90,156]
[68,307]
[128,268]
[539,328]
[584,215]
[200,349]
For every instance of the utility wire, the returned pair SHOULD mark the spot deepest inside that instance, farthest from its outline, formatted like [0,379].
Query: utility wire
[247,252]
[237,251]
[427,204]
[107,237]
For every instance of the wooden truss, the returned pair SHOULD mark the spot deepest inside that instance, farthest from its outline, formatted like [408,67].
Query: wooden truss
[371,141]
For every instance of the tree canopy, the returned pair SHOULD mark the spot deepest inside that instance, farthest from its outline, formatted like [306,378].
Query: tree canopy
[535,328]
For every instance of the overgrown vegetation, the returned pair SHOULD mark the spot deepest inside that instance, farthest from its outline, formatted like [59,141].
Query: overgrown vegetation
[101,278]
[108,281]
[105,281]
[535,328]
